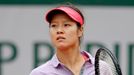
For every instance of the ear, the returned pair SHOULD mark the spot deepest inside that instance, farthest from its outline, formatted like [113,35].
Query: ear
[80,31]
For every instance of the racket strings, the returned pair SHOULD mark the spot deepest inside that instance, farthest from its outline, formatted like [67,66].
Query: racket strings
[104,56]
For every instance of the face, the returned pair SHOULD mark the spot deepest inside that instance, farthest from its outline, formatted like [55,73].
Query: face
[64,31]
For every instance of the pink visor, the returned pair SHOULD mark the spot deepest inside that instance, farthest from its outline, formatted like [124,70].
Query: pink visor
[69,11]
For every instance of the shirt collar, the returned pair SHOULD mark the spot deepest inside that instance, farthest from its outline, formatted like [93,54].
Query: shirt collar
[55,62]
[89,56]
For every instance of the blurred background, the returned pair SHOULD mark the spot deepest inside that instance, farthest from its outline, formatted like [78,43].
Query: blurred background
[24,35]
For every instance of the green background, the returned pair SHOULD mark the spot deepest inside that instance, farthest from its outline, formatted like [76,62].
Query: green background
[79,2]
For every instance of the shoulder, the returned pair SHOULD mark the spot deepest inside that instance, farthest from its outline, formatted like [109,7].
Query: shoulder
[42,69]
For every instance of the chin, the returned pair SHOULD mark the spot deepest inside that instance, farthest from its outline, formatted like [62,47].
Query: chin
[62,46]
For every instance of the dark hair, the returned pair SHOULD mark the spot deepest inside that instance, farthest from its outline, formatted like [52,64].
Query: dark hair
[54,13]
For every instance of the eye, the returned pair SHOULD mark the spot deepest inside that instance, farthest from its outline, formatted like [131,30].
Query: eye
[67,25]
[52,25]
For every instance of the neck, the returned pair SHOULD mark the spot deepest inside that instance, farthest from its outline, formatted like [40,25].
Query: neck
[69,56]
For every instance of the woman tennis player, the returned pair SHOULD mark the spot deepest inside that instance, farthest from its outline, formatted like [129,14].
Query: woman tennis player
[66,29]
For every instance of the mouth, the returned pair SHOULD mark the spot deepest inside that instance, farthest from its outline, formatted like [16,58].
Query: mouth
[60,38]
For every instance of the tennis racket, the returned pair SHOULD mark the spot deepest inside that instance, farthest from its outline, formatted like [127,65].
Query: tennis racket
[103,54]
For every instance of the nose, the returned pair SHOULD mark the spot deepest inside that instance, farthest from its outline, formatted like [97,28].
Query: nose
[60,30]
